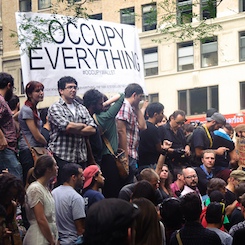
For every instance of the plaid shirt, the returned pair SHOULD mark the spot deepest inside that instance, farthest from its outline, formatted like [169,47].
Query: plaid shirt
[127,114]
[68,147]
[7,124]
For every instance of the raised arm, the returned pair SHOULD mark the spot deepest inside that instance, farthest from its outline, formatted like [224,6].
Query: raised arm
[140,119]
[111,100]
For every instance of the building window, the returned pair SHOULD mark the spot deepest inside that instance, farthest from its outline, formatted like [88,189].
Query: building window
[185,56]
[242,45]
[242,95]
[44,4]
[153,98]
[150,57]
[73,1]
[208,9]
[209,52]
[184,10]
[96,16]
[25,5]
[149,17]
[198,100]
[127,16]
[242,5]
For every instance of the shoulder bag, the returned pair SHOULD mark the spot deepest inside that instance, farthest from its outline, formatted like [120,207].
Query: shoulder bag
[119,156]
[36,151]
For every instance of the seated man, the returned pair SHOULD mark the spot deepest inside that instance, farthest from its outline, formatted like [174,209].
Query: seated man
[240,225]
[94,180]
[109,222]
[69,205]
[191,181]
[178,185]
[204,172]
[146,174]
[215,216]
[193,232]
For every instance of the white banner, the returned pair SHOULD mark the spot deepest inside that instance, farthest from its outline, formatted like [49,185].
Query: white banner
[98,54]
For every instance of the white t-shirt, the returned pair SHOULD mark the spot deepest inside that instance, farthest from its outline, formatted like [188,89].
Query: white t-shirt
[71,107]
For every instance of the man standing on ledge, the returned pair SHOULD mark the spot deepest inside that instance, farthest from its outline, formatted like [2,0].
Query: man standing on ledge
[8,137]
[129,121]
[69,122]
[202,138]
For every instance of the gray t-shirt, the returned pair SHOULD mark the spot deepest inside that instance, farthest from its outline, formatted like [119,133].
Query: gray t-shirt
[69,206]
[225,238]
[27,113]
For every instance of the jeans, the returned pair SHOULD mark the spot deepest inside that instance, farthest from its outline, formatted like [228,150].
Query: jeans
[26,161]
[8,160]
[133,167]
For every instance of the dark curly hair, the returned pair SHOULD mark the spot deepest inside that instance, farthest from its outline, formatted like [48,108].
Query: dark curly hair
[8,181]
[5,78]
[91,97]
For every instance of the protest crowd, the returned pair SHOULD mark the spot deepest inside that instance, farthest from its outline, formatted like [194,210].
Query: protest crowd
[103,171]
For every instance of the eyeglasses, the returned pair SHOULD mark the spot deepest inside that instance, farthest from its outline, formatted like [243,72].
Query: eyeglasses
[191,176]
[72,87]
[180,123]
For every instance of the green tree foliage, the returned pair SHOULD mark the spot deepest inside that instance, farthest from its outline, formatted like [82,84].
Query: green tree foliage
[176,20]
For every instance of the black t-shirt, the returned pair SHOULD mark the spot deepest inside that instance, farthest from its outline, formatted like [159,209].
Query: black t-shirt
[230,197]
[222,160]
[147,151]
[178,142]
[200,140]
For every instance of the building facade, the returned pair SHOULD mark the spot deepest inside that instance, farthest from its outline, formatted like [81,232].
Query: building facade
[192,75]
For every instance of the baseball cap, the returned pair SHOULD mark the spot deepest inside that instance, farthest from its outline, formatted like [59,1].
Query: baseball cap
[238,174]
[209,113]
[219,118]
[88,174]
[108,218]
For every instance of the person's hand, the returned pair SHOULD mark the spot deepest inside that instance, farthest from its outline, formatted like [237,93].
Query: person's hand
[7,232]
[167,144]
[187,151]
[221,150]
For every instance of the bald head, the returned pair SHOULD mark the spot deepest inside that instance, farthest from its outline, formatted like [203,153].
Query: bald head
[191,178]
[151,176]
